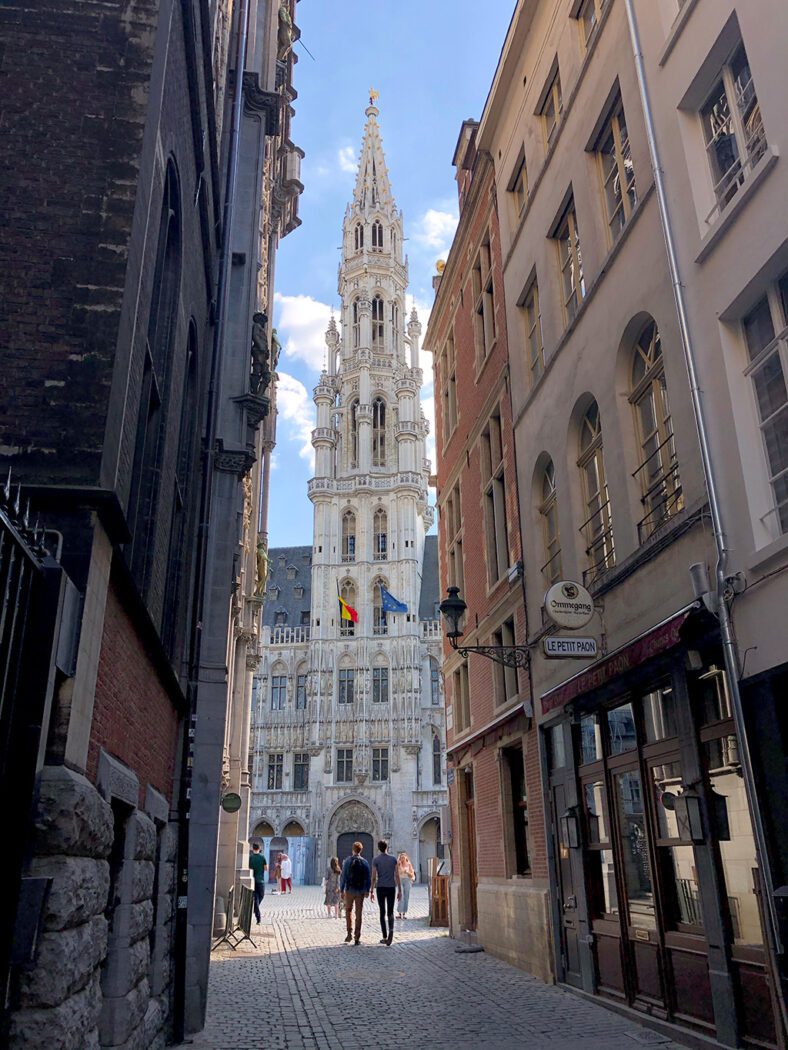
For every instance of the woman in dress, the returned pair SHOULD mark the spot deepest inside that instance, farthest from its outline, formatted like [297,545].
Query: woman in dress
[407,876]
[333,871]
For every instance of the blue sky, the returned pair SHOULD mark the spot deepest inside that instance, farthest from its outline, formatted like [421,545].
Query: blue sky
[432,64]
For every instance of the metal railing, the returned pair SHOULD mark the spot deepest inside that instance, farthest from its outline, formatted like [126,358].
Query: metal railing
[290,635]
[597,530]
[663,495]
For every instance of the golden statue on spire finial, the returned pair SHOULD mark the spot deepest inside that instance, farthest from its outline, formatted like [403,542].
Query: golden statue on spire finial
[373,96]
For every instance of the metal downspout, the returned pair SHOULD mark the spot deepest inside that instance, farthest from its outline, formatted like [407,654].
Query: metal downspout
[203,530]
[726,630]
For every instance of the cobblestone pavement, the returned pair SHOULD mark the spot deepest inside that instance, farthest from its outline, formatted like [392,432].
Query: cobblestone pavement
[301,988]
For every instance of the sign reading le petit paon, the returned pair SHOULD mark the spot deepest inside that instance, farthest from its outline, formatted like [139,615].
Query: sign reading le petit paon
[562,645]
[569,605]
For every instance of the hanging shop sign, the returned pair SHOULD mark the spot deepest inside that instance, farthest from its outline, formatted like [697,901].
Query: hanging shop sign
[231,802]
[569,605]
[558,645]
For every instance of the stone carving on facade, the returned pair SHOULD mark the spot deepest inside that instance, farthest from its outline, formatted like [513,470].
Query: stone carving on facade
[261,355]
[261,573]
[353,816]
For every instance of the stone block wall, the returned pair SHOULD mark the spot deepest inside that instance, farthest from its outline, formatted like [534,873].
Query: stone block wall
[514,924]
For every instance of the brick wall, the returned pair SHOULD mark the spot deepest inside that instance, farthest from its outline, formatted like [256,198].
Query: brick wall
[133,716]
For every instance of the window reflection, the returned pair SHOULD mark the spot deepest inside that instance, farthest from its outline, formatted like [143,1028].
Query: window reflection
[590,739]
[634,849]
[659,714]
[602,884]
[715,704]
[621,725]
[596,816]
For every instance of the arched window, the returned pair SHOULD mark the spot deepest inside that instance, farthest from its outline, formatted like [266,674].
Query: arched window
[395,327]
[437,771]
[378,432]
[377,236]
[358,237]
[348,592]
[659,469]
[548,510]
[380,539]
[153,403]
[377,323]
[435,682]
[379,625]
[353,442]
[356,325]
[348,536]
[393,242]
[597,529]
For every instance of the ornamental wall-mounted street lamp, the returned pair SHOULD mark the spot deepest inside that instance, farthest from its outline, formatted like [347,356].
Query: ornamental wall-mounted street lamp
[453,609]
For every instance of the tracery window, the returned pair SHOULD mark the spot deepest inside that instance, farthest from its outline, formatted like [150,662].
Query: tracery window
[356,327]
[380,539]
[346,627]
[378,432]
[348,536]
[377,322]
[377,236]
[358,238]
[379,624]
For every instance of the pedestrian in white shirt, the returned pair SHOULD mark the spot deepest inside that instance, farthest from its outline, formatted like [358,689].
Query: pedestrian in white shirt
[286,875]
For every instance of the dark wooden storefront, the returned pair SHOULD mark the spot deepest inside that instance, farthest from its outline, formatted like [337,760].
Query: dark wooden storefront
[657,888]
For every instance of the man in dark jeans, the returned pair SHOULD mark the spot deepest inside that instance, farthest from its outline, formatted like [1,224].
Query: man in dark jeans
[258,865]
[385,878]
[354,882]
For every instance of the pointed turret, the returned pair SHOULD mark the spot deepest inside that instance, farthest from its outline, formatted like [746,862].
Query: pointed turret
[373,189]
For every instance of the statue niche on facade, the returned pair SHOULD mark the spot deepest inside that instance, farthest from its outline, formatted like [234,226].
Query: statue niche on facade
[261,371]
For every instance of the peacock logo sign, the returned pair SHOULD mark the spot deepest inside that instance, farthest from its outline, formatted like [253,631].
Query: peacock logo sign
[569,605]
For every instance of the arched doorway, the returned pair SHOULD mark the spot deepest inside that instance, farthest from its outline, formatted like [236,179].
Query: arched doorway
[352,821]
[429,846]
[262,830]
[293,830]
[345,844]
[276,846]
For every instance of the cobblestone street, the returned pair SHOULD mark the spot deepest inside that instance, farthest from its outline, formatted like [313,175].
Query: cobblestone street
[301,987]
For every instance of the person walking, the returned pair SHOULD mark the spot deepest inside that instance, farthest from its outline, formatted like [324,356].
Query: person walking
[385,880]
[355,882]
[258,865]
[277,873]
[333,871]
[407,876]
[286,874]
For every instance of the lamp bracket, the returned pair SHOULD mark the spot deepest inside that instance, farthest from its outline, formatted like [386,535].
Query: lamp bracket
[509,655]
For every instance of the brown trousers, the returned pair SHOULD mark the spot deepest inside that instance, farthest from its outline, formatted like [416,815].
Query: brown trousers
[354,899]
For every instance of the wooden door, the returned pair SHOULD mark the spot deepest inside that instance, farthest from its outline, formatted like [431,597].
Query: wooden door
[470,876]
[569,920]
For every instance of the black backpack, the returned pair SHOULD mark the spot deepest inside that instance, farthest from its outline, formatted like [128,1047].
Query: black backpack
[356,875]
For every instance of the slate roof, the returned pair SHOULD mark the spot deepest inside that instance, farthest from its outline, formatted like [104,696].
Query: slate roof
[283,592]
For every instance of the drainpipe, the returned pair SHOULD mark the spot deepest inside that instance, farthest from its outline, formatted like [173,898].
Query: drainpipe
[710,471]
[203,530]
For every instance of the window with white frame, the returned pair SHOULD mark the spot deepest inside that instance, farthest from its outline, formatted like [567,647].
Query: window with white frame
[378,432]
[494,498]
[616,171]
[380,685]
[437,761]
[377,236]
[567,237]
[348,593]
[597,529]
[658,472]
[347,678]
[300,771]
[449,387]
[348,536]
[506,686]
[552,109]
[380,535]
[344,765]
[377,322]
[589,14]
[275,767]
[379,624]
[453,519]
[483,301]
[278,692]
[380,764]
[766,337]
[533,333]
[551,538]
[518,185]
[733,129]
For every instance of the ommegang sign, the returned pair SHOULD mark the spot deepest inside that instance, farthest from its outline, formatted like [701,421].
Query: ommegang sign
[652,644]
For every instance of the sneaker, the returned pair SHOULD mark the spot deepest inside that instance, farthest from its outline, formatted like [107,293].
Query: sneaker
[349,938]
[357,942]
[389,939]
[383,940]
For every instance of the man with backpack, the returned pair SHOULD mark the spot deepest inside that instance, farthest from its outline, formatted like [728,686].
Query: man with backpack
[355,882]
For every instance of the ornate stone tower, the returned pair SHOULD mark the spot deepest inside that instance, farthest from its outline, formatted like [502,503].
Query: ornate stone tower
[372,720]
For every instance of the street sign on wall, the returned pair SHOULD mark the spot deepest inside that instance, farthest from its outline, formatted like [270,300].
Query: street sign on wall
[569,604]
[568,646]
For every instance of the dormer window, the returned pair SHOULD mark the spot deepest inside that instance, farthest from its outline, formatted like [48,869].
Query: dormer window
[377,236]
[281,617]
[359,237]
[291,572]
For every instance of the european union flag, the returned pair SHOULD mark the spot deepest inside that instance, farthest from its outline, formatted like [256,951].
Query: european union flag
[390,603]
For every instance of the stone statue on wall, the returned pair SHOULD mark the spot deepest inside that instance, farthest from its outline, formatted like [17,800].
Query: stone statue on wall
[285,32]
[261,575]
[261,372]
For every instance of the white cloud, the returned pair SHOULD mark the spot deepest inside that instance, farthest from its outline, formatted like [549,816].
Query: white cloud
[435,230]
[296,409]
[346,158]
[301,326]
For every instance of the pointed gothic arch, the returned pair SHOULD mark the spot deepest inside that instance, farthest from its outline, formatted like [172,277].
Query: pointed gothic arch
[348,536]
[356,324]
[379,431]
[379,622]
[358,237]
[348,592]
[380,535]
[377,236]
[353,434]
[378,330]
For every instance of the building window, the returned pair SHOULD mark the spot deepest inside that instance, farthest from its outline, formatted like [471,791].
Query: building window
[437,761]
[494,492]
[300,771]
[347,677]
[348,536]
[616,171]
[344,765]
[516,806]
[506,685]
[377,236]
[278,692]
[280,617]
[518,185]
[356,314]
[461,698]
[551,109]
[435,683]
[733,129]
[305,617]
[380,685]
[379,624]
[573,287]
[483,302]
[533,333]
[301,692]
[453,519]
[449,389]
[597,529]
[378,432]
[275,767]
[346,627]
[395,327]
[380,764]
[588,16]
[353,434]
[377,323]
[659,469]
[358,238]
[551,538]
[766,337]
[380,536]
